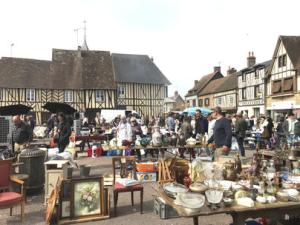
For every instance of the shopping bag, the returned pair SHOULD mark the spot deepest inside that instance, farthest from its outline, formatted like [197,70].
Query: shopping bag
[234,144]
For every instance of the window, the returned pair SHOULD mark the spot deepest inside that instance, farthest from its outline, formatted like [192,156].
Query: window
[194,102]
[219,101]
[30,95]
[230,100]
[1,94]
[282,60]
[244,77]
[256,91]
[206,102]
[200,102]
[276,87]
[121,91]
[288,84]
[244,93]
[69,96]
[256,74]
[100,95]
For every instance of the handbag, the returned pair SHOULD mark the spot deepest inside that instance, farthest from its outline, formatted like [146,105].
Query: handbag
[266,133]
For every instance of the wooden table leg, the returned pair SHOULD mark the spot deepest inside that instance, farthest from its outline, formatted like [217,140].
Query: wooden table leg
[195,220]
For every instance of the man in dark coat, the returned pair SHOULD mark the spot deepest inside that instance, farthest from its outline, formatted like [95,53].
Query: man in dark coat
[222,133]
[64,132]
[201,124]
[21,134]
[240,131]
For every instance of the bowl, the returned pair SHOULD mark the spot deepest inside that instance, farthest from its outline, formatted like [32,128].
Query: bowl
[227,201]
[198,187]
[191,202]
[214,196]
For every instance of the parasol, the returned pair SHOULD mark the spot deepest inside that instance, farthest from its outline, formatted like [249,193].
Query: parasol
[12,110]
[56,107]
[192,111]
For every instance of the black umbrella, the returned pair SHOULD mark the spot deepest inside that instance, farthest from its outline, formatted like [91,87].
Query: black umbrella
[56,107]
[12,110]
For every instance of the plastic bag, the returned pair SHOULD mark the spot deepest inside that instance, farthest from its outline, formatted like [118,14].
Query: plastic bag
[234,144]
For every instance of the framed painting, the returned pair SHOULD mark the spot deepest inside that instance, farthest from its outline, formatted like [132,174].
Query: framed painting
[87,198]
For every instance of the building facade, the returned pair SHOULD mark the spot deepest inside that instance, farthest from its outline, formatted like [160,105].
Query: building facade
[141,86]
[192,97]
[283,82]
[252,86]
[84,79]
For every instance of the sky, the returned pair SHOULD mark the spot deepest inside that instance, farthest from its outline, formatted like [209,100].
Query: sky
[186,38]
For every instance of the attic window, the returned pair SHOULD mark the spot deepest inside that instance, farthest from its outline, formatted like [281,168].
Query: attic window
[100,96]
[282,60]
[30,95]
[68,96]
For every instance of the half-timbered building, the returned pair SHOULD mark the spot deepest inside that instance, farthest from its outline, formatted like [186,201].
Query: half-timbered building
[83,79]
[87,80]
[283,84]
[251,87]
[141,86]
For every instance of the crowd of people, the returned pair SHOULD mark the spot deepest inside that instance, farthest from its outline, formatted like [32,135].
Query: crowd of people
[215,128]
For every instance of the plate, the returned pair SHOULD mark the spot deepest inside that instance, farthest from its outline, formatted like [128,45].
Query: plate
[190,200]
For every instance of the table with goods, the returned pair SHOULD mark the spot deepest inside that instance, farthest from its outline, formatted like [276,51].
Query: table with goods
[267,186]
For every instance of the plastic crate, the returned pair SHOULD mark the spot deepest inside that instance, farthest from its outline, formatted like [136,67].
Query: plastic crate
[145,167]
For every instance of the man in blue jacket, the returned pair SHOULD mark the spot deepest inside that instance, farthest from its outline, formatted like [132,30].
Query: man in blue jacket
[201,125]
[222,134]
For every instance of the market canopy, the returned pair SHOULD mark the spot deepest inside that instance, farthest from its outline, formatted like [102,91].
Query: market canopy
[12,110]
[192,111]
[56,107]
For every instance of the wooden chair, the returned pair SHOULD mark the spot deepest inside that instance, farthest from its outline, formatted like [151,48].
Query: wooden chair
[10,199]
[117,188]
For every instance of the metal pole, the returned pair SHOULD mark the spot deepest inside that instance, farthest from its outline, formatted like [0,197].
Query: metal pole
[11,48]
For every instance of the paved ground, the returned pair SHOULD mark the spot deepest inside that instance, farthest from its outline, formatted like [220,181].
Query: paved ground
[126,214]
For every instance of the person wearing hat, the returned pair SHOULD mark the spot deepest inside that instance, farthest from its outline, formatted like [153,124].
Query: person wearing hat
[222,133]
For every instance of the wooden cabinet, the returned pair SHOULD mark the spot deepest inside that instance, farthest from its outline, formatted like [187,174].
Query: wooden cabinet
[53,172]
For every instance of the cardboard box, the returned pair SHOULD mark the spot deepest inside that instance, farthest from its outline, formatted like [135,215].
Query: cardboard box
[146,177]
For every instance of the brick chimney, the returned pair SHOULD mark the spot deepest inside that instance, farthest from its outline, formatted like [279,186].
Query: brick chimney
[176,93]
[251,59]
[217,69]
[231,70]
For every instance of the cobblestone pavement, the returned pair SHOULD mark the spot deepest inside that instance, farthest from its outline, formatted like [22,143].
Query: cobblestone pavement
[127,215]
